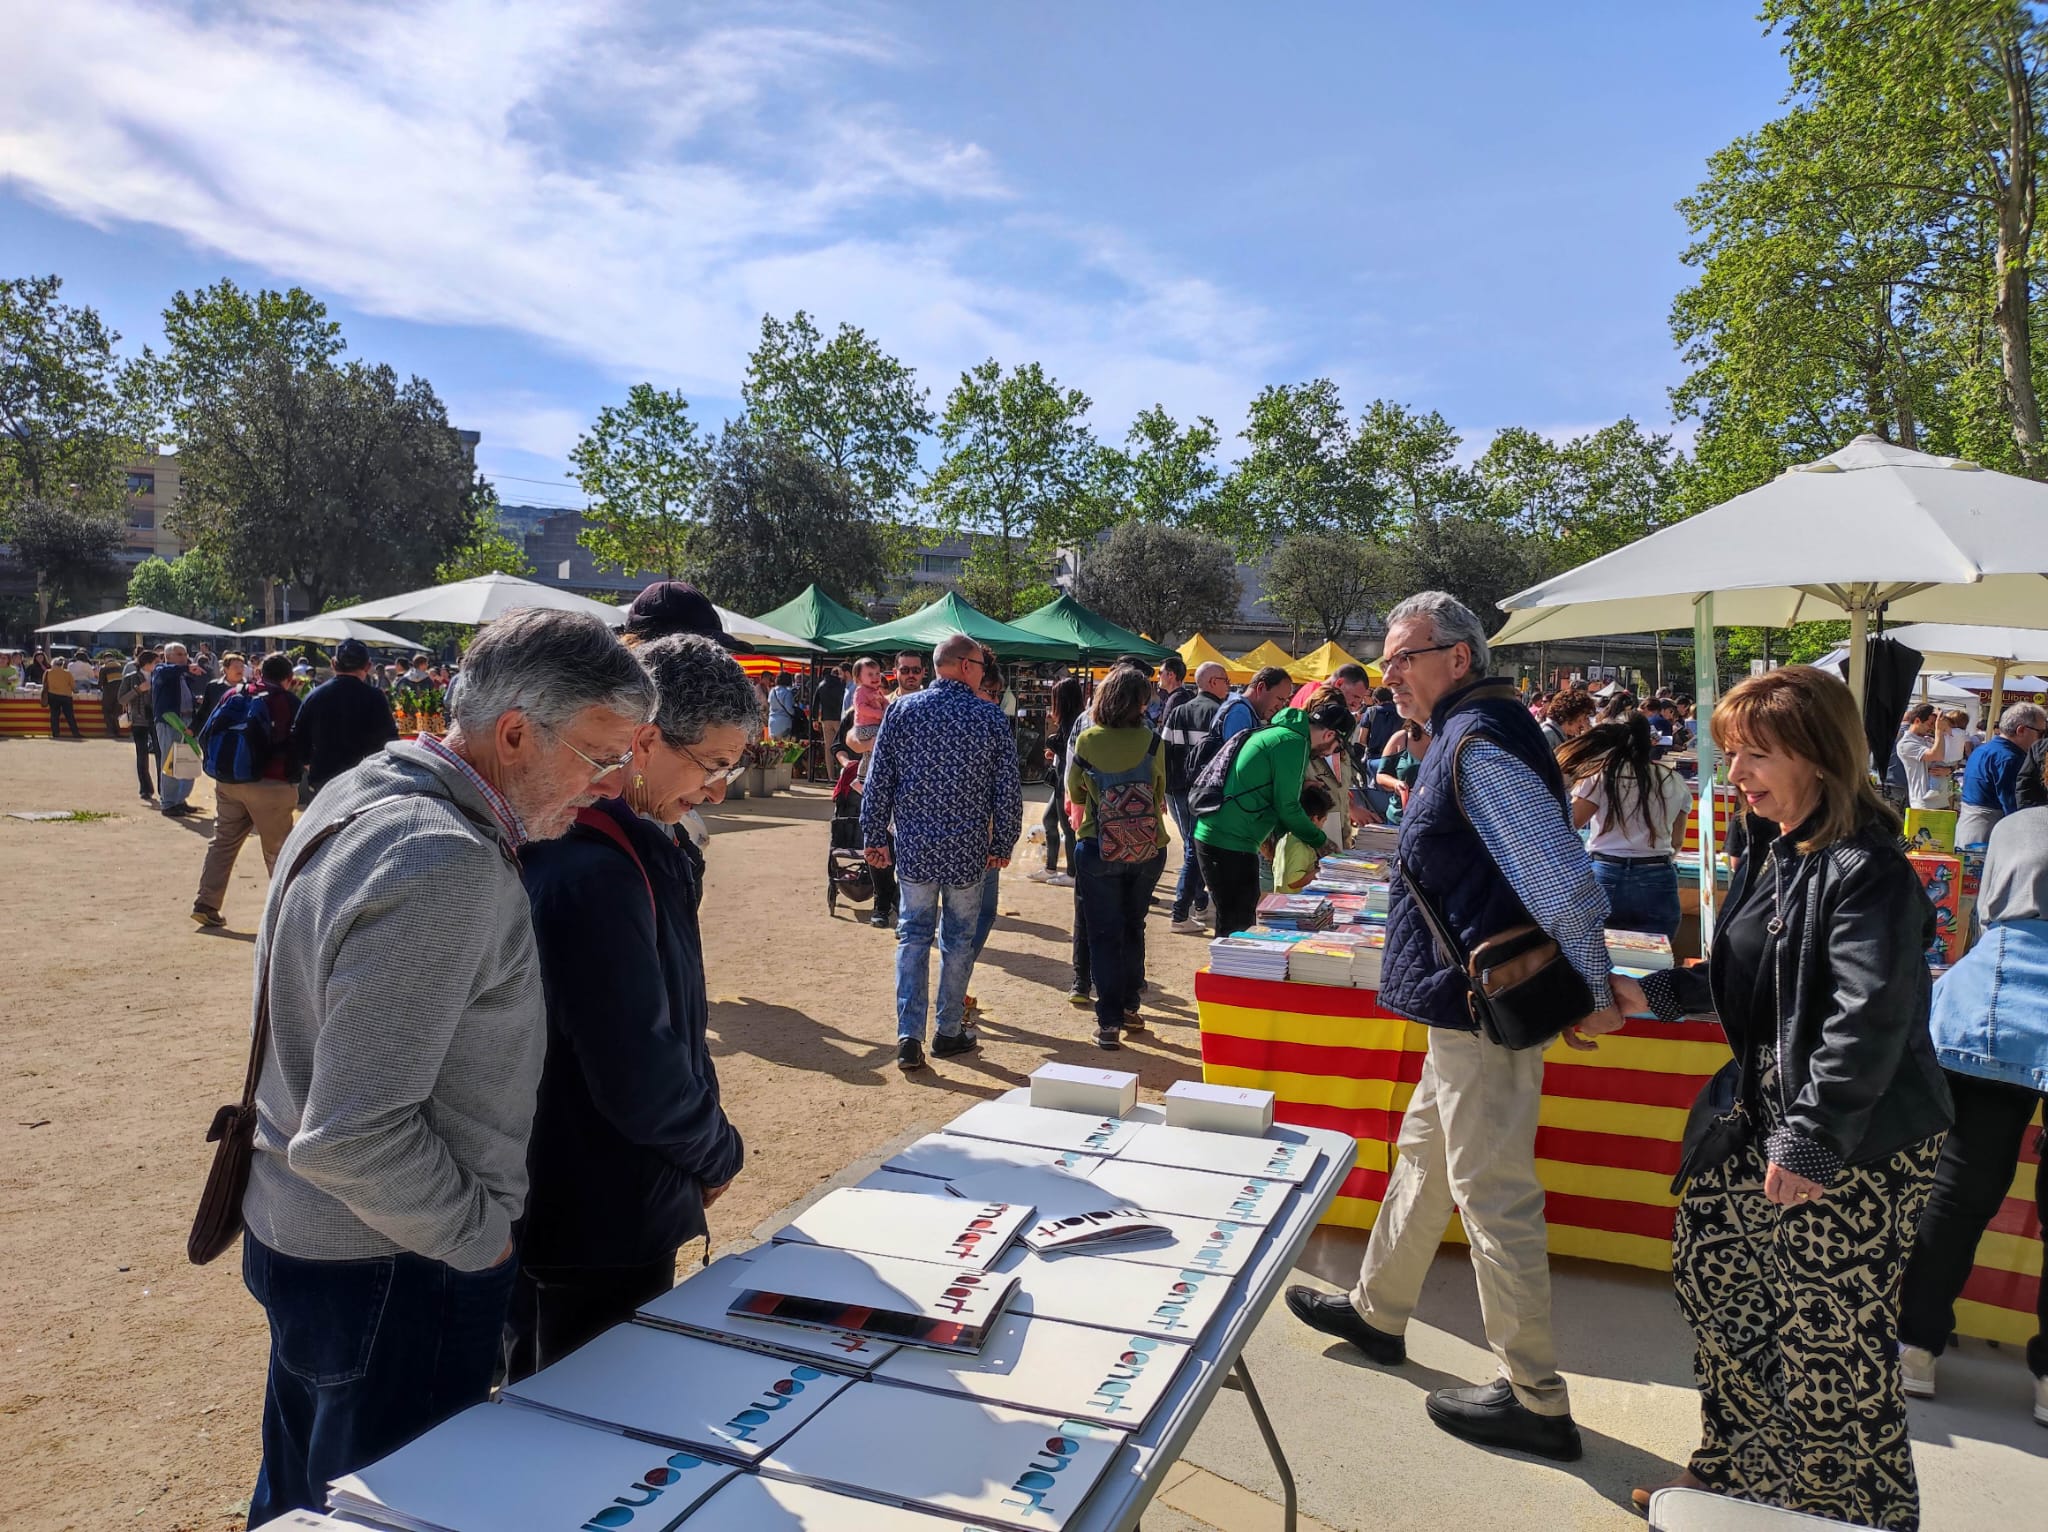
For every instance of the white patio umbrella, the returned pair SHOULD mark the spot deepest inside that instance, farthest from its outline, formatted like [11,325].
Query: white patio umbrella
[756,634]
[330,629]
[1933,685]
[1968,646]
[469,603]
[144,620]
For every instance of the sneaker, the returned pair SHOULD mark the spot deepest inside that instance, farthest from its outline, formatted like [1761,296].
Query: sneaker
[1040,875]
[148,798]
[909,1054]
[1061,880]
[2041,1401]
[1918,1366]
[1133,1022]
[1080,999]
[1109,1039]
[1189,926]
[207,915]
[947,1045]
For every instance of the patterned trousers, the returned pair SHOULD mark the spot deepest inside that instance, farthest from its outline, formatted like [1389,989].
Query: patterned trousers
[1796,1311]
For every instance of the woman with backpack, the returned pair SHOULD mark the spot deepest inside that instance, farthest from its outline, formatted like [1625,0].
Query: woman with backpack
[1116,780]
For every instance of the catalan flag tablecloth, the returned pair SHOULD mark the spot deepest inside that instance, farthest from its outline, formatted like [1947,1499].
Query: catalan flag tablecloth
[1608,1140]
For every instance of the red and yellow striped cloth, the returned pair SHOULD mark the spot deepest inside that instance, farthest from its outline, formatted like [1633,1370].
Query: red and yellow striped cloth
[1608,1140]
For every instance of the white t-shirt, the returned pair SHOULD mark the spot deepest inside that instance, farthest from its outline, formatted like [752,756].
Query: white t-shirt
[1922,791]
[1632,837]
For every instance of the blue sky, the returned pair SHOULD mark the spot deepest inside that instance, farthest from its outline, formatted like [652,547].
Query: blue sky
[534,203]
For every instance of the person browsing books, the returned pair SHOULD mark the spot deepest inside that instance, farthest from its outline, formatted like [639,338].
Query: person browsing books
[1262,795]
[1637,808]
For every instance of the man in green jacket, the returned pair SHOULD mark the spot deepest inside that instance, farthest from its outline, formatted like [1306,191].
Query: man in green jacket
[1261,797]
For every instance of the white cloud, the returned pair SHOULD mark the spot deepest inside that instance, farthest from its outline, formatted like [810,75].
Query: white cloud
[630,187]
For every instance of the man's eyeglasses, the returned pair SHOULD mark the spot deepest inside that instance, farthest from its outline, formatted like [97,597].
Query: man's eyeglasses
[714,773]
[1401,659]
[599,770]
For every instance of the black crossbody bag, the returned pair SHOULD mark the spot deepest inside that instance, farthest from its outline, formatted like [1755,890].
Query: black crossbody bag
[1520,987]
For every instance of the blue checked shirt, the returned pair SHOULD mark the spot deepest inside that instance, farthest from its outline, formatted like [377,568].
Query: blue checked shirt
[943,777]
[1533,843]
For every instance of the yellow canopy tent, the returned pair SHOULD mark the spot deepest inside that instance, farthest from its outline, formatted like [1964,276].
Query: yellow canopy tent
[1270,653]
[1323,663]
[1199,651]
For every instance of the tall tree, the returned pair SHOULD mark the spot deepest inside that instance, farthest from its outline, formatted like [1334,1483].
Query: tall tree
[776,518]
[1584,497]
[1021,471]
[1160,580]
[642,464]
[1407,463]
[1299,473]
[215,334]
[485,547]
[331,478]
[1477,560]
[1324,585]
[66,432]
[855,407]
[1172,473]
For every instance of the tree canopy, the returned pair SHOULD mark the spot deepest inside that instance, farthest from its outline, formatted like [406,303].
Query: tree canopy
[642,464]
[1162,581]
[857,409]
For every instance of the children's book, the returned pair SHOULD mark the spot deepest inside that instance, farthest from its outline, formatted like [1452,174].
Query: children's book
[1229,1154]
[1112,1376]
[1041,1127]
[945,1231]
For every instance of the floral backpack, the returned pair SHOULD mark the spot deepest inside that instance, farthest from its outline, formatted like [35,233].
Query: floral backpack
[1126,810]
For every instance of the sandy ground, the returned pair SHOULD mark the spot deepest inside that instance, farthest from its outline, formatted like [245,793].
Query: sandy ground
[132,1380]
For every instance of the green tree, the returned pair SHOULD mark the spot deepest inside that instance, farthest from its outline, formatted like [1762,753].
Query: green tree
[1299,473]
[1476,559]
[1323,584]
[485,548]
[1021,472]
[331,478]
[1406,462]
[855,407]
[1173,478]
[70,544]
[153,585]
[1160,580]
[215,334]
[775,518]
[1584,497]
[642,464]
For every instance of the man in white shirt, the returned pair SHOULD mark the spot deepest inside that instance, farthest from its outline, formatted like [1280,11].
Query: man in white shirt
[1923,751]
[80,668]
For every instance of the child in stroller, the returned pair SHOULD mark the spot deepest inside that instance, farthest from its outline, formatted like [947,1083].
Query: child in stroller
[847,874]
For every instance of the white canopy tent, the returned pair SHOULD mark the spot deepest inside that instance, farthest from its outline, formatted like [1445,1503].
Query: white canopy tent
[472,602]
[145,621]
[1932,686]
[1972,647]
[331,629]
[755,633]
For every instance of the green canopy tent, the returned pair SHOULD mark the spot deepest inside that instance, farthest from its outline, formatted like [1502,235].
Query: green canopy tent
[814,616]
[1064,620]
[924,627]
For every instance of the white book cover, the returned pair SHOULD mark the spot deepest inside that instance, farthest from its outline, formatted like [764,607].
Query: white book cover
[1227,1154]
[681,1390]
[499,1468]
[751,1503]
[913,1302]
[1067,1210]
[968,1236]
[1113,1376]
[1207,1244]
[1178,1303]
[987,1462]
[699,1307]
[1011,1122]
[949,1156]
[1194,1193]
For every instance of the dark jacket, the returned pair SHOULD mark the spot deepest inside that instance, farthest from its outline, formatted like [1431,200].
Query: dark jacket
[1449,859]
[2031,790]
[628,1130]
[1855,1061]
[343,720]
[1186,721]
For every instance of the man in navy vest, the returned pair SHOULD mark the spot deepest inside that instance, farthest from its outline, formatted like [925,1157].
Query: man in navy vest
[1490,839]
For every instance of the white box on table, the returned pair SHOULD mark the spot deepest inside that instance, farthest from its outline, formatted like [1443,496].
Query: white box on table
[1070,1088]
[1219,1108]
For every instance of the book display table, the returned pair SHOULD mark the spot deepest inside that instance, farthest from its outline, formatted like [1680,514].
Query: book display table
[1608,1140]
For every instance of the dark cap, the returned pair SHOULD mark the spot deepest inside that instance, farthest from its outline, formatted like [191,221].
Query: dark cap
[672,606]
[1335,717]
[351,654]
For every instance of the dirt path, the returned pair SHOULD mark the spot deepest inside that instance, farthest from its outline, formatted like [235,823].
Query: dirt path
[133,1381]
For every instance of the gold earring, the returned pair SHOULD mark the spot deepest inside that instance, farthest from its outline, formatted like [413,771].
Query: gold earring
[639,781]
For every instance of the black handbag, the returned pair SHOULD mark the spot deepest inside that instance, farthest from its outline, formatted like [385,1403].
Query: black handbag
[1520,987]
[1716,1129]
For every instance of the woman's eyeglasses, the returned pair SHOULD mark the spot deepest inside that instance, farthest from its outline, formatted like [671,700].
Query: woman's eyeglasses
[713,773]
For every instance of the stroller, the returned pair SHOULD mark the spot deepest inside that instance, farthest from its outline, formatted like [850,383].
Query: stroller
[847,874]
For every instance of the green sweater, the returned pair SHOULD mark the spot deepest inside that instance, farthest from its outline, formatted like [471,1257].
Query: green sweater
[1263,794]
[1113,750]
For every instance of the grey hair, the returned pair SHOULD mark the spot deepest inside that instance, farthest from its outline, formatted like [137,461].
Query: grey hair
[2022,715]
[1450,622]
[954,646]
[697,686]
[171,649]
[550,666]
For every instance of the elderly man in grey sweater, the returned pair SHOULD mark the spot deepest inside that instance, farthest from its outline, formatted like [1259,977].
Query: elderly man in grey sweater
[407,1029]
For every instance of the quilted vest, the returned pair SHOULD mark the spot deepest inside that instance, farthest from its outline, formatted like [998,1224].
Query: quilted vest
[1451,861]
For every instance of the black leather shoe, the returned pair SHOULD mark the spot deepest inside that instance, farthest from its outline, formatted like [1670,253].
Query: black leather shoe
[881,920]
[1333,1314]
[909,1055]
[1493,1417]
[946,1045]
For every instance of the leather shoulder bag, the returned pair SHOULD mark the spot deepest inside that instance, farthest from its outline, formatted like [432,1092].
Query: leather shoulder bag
[1519,986]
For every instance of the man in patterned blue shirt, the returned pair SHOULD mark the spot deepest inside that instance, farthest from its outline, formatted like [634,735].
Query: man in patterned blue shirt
[942,777]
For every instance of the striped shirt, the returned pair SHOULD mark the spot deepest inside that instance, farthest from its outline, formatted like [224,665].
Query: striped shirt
[508,816]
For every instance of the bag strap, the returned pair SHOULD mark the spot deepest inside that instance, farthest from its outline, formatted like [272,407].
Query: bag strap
[1434,919]
[594,818]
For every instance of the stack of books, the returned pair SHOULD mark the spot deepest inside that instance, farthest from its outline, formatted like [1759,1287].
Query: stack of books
[1250,955]
[702,1306]
[1640,951]
[874,1297]
[1295,912]
[1349,955]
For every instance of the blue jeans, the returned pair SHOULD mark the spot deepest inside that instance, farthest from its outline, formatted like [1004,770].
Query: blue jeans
[985,922]
[1114,898]
[1190,893]
[952,915]
[171,792]
[364,1356]
[1641,896]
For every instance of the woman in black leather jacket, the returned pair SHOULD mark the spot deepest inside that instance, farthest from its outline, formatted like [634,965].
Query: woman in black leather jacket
[1789,1253]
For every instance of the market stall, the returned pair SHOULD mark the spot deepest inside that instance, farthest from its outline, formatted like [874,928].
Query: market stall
[1610,1128]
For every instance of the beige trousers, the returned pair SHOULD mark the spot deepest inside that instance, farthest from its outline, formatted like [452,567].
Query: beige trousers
[1468,1142]
[239,807]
